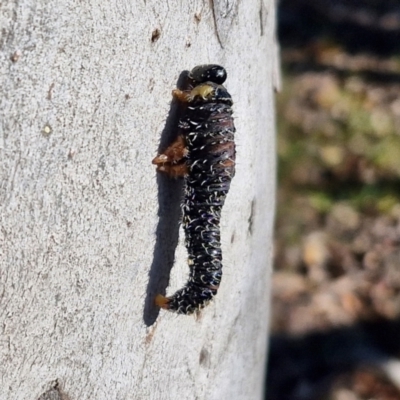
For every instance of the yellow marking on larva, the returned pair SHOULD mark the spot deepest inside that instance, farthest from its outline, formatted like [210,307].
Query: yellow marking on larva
[203,91]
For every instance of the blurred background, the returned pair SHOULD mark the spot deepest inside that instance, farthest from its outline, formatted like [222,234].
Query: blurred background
[335,328]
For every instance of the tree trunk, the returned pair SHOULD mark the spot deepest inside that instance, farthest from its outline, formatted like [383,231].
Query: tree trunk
[89,232]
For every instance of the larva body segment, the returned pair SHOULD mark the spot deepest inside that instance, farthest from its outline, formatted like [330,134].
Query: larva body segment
[208,161]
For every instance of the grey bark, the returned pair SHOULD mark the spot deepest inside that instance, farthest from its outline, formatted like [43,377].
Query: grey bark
[89,233]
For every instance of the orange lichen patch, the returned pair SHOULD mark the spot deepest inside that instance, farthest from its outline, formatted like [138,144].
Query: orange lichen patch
[162,301]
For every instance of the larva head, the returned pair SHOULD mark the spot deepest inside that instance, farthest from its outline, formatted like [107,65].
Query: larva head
[208,73]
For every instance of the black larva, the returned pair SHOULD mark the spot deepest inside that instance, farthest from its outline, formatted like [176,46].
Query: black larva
[204,154]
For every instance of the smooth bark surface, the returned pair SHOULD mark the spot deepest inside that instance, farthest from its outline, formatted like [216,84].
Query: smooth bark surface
[89,233]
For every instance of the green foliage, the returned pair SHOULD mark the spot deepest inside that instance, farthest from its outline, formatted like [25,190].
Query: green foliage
[338,139]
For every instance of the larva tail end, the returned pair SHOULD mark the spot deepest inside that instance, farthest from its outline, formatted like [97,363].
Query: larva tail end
[162,301]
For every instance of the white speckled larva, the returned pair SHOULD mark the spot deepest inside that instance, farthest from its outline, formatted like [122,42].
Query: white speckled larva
[203,153]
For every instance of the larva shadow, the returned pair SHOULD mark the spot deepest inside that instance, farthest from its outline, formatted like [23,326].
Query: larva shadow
[170,192]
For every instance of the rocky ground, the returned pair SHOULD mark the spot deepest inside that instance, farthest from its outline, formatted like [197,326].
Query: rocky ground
[336,287]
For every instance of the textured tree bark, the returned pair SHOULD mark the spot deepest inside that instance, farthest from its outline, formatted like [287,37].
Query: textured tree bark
[89,233]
